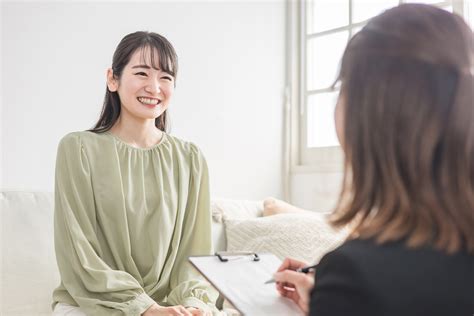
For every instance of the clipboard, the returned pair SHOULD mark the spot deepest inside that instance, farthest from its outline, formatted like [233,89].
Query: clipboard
[240,277]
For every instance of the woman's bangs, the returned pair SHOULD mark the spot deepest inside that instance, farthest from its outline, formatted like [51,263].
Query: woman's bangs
[157,58]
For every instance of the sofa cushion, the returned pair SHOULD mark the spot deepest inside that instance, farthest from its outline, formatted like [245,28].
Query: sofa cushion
[29,272]
[273,206]
[224,209]
[304,236]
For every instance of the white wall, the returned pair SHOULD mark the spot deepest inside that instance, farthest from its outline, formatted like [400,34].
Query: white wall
[1,103]
[228,99]
[317,191]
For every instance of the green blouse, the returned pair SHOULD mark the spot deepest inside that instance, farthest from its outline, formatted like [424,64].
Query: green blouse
[126,219]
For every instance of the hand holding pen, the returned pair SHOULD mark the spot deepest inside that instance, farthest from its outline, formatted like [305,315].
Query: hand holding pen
[306,269]
[295,285]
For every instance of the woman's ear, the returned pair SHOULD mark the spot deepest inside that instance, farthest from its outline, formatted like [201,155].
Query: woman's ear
[112,83]
[339,116]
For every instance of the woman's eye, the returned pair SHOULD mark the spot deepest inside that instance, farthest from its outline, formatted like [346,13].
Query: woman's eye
[141,74]
[168,78]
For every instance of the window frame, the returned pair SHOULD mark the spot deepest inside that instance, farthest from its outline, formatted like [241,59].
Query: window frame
[298,157]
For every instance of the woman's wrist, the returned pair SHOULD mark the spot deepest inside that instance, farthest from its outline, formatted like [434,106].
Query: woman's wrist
[150,309]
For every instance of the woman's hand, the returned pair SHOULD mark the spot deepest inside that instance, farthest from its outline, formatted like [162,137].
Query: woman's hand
[178,310]
[198,312]
[294,285]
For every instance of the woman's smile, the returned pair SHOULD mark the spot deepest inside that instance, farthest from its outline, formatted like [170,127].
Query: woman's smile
[149,102]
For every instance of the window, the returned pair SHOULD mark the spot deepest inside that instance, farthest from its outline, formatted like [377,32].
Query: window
[321,29]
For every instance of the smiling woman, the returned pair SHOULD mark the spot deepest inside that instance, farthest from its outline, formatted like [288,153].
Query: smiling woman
[144,61]
[147,84]
[132,202]
[144,89]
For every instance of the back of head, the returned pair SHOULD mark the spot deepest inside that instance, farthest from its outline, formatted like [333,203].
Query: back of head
[407,85]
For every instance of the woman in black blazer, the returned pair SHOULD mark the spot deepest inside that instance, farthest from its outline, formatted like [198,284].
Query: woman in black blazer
[405,120]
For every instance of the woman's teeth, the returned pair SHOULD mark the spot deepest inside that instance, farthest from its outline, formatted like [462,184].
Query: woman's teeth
[149,101]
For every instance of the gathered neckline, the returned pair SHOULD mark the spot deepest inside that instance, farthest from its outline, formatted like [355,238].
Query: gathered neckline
[119,140]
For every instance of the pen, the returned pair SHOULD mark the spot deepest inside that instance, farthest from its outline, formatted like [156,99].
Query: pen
[301,270]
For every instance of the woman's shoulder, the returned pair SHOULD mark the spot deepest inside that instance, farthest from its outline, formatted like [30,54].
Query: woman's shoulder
[81,137]
[189,153]
[376,272]
[350,252]
[185,147]
[84,140]
[359,247]
[369,255]
[362,249]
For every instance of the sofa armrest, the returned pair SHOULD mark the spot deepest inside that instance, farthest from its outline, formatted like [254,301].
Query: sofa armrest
[226,209]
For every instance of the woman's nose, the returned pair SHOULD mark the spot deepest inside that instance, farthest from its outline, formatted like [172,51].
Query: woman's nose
[153,86]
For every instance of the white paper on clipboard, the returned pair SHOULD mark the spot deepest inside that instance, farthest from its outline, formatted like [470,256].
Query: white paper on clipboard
[241,280]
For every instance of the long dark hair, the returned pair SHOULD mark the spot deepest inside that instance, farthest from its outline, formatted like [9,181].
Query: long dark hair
[407,86]
[168,62]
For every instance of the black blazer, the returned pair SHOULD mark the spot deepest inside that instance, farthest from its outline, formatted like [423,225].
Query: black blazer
[363,278]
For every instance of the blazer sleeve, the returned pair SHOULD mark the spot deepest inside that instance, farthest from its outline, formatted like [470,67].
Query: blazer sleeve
[340,289]
[95,286]
[188,288]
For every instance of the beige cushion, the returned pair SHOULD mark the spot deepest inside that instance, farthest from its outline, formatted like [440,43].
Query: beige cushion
[304,236]
[224,209]
[273,206]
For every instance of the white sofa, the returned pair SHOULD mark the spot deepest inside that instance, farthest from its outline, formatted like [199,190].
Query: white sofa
[29,272]
[28,266]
